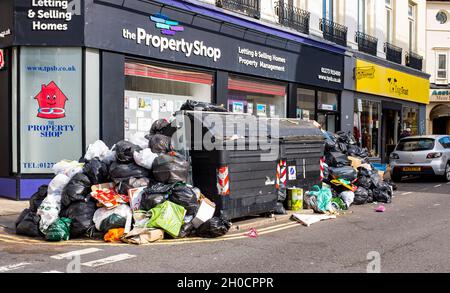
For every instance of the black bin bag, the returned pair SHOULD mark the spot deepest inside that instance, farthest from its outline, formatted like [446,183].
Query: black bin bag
[154,195]
[170,168]
[96,171]
[28,224]
[81,213]
[37,198]
[78,188]
[214,227]
[124,151]
[185,196]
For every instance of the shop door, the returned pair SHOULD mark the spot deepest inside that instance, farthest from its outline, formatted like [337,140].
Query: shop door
[328,121]
[391,132]
[441,125]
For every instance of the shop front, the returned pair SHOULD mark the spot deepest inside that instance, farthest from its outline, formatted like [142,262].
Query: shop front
[438,111]
[109,70]
[388,104]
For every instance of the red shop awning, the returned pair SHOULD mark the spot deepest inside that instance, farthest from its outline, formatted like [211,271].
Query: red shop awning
[256,87]
[150,71]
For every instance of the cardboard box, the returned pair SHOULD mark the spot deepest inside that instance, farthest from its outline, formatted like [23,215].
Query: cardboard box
[355,162]
[143,236]
[205,212]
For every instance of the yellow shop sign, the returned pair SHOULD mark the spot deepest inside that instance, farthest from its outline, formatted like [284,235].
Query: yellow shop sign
[378,80]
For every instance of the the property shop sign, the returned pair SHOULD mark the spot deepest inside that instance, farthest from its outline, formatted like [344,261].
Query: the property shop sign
[163,36]
[50,107]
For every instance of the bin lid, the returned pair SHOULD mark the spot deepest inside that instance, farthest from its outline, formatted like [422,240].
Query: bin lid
[293,129]
[236,126]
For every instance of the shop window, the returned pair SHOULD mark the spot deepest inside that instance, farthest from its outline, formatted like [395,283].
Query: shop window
[367,125]
[154,92]
[327,101]
[306,104]
[50,107]
[258,97]
[327,111]
[410,120]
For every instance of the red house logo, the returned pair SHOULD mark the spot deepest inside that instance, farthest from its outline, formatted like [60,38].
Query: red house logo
[52,102]
[2,59]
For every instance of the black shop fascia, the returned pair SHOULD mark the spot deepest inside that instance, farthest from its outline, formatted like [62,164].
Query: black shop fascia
[114,67]
[159,58]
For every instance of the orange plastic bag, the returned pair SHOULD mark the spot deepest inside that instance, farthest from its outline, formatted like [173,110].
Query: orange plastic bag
[114,235]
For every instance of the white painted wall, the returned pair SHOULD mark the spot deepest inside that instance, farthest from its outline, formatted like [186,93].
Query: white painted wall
[346,13]
[438,38]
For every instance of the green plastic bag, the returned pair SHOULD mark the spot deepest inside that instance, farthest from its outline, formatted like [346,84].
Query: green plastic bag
[167,216]
[338,204]
[323,196]
[59,230]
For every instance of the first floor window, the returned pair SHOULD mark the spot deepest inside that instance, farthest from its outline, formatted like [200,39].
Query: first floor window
[442,65]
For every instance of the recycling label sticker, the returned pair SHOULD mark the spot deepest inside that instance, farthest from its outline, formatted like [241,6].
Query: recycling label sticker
[292,173]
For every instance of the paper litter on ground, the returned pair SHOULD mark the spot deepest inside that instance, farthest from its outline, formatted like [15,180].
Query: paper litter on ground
[307,220]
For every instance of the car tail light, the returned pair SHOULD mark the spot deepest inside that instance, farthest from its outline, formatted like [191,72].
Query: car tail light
[434,155]
[394,156]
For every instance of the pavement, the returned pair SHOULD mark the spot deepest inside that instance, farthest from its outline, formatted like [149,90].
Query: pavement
[412,235]
[11,207]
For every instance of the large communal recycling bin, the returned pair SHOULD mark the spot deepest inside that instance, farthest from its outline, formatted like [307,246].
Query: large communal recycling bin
[238,180]
[301,151]
[245,181]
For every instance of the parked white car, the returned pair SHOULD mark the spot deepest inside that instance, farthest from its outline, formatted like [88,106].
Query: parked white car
[421,155]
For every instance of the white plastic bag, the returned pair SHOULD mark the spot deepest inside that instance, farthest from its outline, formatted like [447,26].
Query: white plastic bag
[139,139]
[68,168]
[100,150]
[122,210]
[145,158]
[348,197]
[56,186]
[49,212]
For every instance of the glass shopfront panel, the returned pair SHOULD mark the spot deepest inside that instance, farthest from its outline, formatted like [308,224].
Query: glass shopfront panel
[411,120]
[154,92]
[327,101]
[328,110]
[257,97]
[367,125]
[50,107]
[306,104]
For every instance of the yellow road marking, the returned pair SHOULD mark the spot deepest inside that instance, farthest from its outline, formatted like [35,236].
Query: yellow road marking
[263,231]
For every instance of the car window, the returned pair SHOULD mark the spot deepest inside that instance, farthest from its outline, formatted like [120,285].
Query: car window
[415,144]
[445,141]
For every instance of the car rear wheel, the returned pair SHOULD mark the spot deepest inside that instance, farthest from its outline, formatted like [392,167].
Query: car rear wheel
[396,177]
[447,173]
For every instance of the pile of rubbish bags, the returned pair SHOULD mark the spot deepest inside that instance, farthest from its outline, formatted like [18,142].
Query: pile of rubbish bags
[348,177]
[135,192]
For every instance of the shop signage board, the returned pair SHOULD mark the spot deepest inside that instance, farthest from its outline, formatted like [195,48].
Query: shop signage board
[6,23]
[49,22]
[440,95]
[50,107]
[172,35]
[378,80]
